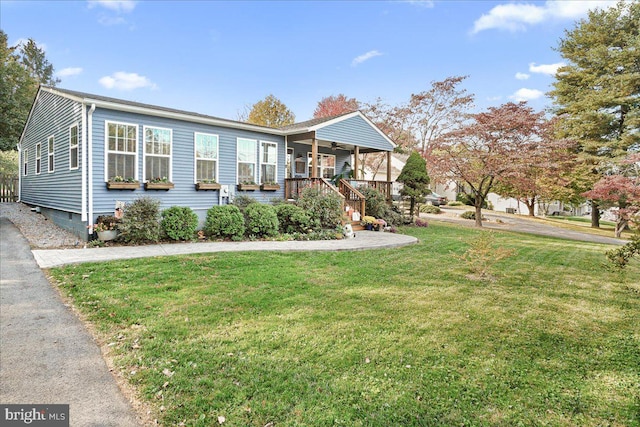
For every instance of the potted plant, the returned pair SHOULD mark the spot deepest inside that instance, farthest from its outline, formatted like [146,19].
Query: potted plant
[106,227]
[121,183]
[368,222]
[158,183]
[248,186]
[207,184]
[270,186]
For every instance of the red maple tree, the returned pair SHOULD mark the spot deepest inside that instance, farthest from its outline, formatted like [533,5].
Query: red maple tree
[335,106]
[486,149]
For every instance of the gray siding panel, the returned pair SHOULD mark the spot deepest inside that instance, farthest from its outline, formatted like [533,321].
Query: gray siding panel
[183,156]
[356,131]
[61,189]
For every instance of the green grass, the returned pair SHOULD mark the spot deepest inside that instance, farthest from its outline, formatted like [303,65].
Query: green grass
[374,338]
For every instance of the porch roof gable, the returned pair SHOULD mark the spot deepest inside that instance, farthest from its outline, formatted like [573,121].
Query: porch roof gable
[351,128]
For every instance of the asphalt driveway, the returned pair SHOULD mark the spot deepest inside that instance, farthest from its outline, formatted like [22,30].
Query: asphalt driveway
[524,225]
[46,354]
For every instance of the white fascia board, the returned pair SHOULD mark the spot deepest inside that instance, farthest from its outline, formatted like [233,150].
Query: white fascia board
[33,107]
[332,121]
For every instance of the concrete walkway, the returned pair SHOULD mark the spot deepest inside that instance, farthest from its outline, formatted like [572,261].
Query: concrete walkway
[46,354]
[47,258]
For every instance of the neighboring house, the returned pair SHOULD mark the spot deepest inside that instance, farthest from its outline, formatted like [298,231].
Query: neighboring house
[75,146]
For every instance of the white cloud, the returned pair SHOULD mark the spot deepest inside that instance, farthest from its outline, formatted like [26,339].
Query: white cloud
[525,94]
[549,69]
[126,81]
[365,57]
[522,76]
[518,16]
[118,6]
[68,72]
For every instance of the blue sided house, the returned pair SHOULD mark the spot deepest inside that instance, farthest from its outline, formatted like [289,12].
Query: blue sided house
[82,155]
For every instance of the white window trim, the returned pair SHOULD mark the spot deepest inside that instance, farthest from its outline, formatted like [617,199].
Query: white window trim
[256,172]
[107,151]
[77,146]
[51,149]
[196,158]
[38,158]
[144,152]
[25,163]
[262,157]
[321,155]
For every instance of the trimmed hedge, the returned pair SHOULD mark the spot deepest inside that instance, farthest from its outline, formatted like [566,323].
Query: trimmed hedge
[179,223]
[294,219]
[262,220]
[141,221]
[224,222]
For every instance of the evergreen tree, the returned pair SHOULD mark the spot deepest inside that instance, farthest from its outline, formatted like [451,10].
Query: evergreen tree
[22,69]
[596,93]
[415,178]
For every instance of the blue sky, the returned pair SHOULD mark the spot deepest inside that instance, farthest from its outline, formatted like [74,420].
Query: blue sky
[217,57]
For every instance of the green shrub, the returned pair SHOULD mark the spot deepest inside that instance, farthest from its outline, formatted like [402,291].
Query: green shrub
[179,223]
[141,221]
[262,220]
[325,208]
[376,205]
[454,203]
[468,215]
[430,209]
[224,222]
[375,202]
[469,200]
[243,201]
[294,219]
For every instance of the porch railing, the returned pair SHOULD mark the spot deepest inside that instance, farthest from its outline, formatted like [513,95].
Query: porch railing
[385,187]
[293,186]
[352,197]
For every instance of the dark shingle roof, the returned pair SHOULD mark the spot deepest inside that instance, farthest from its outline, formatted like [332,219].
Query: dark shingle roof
[91,96]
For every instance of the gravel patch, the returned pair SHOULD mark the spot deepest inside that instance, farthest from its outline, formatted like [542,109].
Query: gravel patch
[38,230]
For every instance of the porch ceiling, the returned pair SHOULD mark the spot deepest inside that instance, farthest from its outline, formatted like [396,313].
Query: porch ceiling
[307,139]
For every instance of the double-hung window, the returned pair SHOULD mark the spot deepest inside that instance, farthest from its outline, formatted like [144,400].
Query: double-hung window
[326,165]
[268,162]
[122,141]
[157,153]
[206,157]
[25,160]
[38,158]
[50,152]
[247,156]
[73,147]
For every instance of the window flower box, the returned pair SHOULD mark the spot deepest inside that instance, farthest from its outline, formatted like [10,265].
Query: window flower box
[163,185]
[203,186]
[248,187]
[270,187]
[122,185]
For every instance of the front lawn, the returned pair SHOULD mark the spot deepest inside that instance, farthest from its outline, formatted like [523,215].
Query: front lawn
[397,337]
